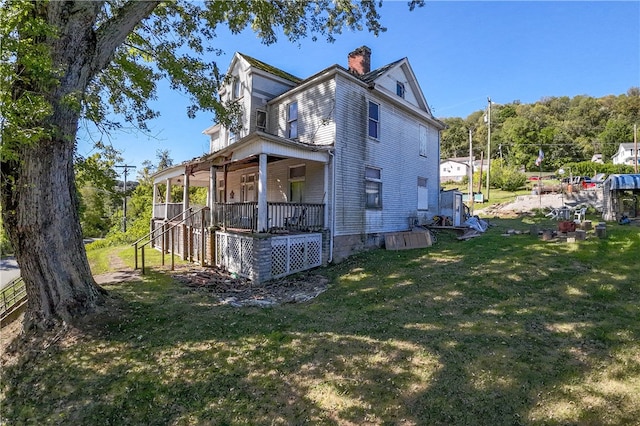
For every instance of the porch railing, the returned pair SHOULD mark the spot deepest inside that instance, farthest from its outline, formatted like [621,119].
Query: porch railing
[165,211]
[289,216]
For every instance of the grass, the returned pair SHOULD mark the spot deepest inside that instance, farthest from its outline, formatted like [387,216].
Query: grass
[497,196]
[492,331]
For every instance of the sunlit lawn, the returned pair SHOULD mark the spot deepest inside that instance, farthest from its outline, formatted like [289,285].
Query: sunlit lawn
[491,331]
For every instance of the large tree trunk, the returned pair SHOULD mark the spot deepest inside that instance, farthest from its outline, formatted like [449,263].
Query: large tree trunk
[42,215]
[40,206]
[48,239]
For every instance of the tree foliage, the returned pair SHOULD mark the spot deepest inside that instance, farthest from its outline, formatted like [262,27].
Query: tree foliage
[61,62]
[568,130]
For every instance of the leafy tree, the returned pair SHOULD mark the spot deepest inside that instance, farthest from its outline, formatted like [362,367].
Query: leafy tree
[505,177]
[616,131]
[455,138]
[66,61]
[96,181]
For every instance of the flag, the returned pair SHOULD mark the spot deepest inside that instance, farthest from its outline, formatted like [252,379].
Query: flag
[540,157]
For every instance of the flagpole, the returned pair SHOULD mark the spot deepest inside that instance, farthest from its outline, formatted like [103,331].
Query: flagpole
[539,163]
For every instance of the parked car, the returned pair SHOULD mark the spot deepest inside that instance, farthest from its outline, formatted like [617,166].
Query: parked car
[586,182]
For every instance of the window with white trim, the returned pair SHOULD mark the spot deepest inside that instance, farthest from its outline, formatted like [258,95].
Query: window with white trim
[423,194]
[248,188]
[292,120]
[373,188]
[423,141]
[261,120]
[235,88]
[221,191]
[374,120]
[400,89]
[297,177]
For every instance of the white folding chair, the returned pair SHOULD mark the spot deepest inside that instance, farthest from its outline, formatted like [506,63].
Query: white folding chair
[578,215]
[552,214]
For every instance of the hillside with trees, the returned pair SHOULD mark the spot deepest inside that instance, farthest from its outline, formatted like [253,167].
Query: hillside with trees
[568,130]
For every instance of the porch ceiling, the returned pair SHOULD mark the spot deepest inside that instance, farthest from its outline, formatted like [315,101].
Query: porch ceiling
[242,154]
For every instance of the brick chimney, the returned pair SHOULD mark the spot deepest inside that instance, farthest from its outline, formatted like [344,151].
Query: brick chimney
[360,60]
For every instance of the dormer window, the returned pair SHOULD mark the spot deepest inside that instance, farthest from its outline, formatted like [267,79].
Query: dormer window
[292,120]
[400,89]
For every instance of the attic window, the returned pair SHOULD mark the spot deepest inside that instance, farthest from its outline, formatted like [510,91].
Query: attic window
[400,89]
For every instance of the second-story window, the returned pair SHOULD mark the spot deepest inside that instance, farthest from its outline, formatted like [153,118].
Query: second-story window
[261,120]
[292,120]
[400,89]
[423,140]
[374,120]
[235,89]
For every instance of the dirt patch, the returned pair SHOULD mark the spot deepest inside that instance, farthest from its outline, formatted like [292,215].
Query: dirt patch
[238,292]
[118,277]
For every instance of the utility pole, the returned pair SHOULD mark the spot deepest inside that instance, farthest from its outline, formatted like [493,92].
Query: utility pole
[635,147]
[124,195]
[471,171]
[488,145]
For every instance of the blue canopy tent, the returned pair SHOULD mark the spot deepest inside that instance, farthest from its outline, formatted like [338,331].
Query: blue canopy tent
[621,195]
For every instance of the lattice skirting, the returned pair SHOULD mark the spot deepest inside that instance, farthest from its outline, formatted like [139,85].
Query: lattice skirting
[262,259]
[295,253]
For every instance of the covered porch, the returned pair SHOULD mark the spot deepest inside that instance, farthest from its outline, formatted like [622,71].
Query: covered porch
[265,188]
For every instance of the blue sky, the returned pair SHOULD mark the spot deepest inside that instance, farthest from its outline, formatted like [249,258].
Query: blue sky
[461,53]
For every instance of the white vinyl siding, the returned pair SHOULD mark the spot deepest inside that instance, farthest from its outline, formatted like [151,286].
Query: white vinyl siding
[316,109]
[397,155]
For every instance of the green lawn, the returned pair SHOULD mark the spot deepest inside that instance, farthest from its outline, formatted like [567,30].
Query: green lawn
[491,331]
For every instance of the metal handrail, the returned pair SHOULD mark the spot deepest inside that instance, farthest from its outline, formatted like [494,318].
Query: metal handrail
[12,296]
[170,220]
[152,238]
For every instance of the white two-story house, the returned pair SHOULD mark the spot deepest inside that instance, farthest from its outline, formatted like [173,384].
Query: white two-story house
[309,170]
[626,155]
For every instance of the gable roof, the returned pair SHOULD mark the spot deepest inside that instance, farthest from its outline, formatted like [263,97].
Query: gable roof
[626,146]
[372,76]
[269,68]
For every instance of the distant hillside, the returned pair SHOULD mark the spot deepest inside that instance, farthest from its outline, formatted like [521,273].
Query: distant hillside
[566,129]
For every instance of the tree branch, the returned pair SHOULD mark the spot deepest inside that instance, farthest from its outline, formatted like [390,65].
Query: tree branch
[114,31]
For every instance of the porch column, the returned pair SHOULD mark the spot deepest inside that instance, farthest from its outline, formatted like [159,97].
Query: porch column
[155,198]
[263,214]
[212,192]
[167,199]
[185,194]
[325,198]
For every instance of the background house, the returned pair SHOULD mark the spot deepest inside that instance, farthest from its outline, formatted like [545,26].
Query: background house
[455,169]
[330,163]
[626,155]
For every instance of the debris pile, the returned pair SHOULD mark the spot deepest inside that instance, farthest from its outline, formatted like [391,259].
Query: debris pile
[236,291]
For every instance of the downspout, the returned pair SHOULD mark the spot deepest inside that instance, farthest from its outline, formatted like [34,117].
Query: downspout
[333,204]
